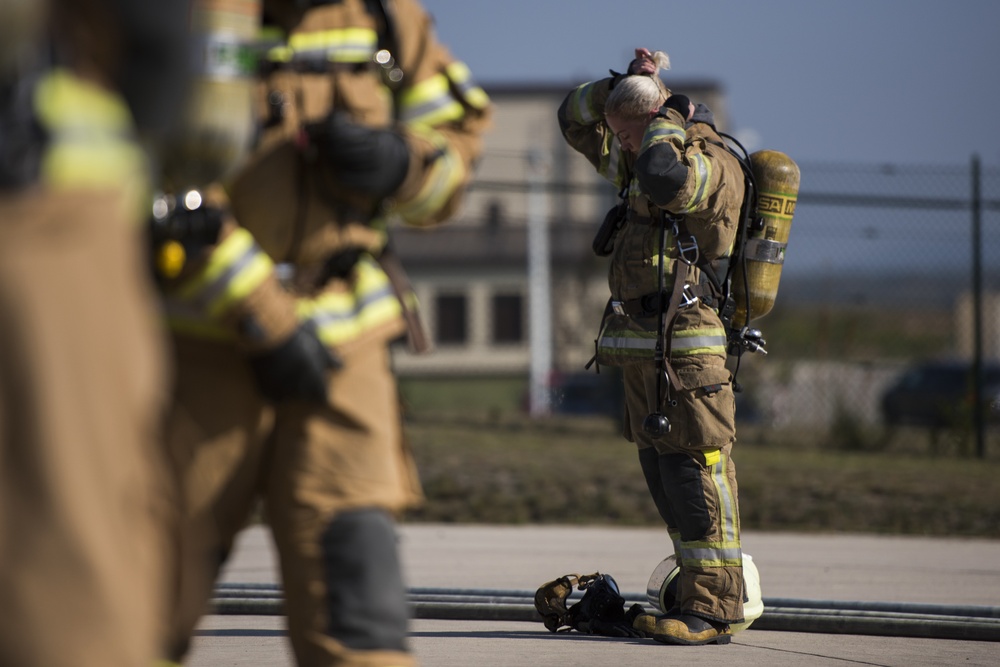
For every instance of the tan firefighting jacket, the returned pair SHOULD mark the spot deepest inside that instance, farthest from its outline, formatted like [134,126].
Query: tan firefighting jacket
[709,201]
[342,56]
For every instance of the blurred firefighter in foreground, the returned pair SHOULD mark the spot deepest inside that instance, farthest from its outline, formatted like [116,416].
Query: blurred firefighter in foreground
[682,192]
[84,86]
[284,388]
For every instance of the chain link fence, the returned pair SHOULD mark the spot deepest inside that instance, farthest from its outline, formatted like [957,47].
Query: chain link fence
[889,267]
[892,276]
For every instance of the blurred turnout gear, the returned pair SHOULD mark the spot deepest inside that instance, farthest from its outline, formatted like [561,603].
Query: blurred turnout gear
[84,502]
[372,160]
[683,189]
[364,117]
[599,612]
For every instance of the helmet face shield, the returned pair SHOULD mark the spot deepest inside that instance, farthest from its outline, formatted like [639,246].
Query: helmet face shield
[661,590]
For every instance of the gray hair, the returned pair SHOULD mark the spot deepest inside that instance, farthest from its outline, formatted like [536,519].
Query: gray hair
[635,96]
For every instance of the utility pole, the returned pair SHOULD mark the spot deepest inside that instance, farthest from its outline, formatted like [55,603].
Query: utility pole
[978,414]
[539,286]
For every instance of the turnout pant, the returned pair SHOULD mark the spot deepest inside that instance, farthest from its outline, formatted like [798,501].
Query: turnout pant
[82,498]
[692,480]
[330,477]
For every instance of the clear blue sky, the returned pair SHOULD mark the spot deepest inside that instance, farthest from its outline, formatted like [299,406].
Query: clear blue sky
[871,81]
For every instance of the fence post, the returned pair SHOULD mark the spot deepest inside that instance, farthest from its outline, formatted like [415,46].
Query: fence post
[979,417]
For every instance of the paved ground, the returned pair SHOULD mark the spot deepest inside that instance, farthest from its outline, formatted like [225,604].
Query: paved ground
[814,567]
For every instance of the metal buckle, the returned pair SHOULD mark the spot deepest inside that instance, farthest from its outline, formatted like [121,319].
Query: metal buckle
[683,250]
[618,307]
[687,299]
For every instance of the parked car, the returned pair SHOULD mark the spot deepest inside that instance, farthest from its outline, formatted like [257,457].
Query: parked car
[588,393]
[939,394]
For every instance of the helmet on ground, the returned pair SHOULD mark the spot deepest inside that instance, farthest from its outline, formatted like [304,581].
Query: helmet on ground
[661,590]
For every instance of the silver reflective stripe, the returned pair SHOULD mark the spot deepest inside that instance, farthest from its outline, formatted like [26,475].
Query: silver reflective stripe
[210,292]
[679,343]
[324,317]
[583,112]
[730,529]
[707,554]
[701,179]
[623,343]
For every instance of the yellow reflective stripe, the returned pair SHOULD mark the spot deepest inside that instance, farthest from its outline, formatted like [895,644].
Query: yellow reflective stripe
[729,517]
[701,167]
[460,75]
[430,102]
[581,105]
[198,328]
[235,269]
[711,554]
[446,174]
[341,45]
[712,456]
[660,130]
[611,166]
[344,316]
[90,134]
[698,341]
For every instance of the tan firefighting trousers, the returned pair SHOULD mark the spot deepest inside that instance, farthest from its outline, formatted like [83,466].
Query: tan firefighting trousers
[692,479]
[309,464]
[82,500]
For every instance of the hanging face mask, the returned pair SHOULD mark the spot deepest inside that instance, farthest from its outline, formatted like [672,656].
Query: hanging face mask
[601,611]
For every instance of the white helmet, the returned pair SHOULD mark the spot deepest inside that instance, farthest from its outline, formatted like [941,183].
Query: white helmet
[661,591]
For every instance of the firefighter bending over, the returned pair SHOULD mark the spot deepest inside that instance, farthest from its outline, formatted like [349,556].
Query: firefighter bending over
[682,190]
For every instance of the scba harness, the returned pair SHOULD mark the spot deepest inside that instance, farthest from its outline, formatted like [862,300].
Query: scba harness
[601,611]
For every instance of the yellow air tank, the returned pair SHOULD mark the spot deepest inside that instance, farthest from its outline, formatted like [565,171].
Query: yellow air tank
[219,122]
[777,179]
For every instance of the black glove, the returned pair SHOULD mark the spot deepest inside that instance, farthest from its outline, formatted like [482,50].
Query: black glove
[295,369]
[373,161]
[679,103]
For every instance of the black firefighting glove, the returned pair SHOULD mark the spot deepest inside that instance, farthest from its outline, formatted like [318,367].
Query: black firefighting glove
[371,160]
[617,626]
[679,103]
[295,369]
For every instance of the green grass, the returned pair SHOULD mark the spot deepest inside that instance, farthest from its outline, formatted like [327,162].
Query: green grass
[504,468]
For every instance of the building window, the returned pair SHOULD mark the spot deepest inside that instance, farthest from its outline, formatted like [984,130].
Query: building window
[451,319]
[508,318]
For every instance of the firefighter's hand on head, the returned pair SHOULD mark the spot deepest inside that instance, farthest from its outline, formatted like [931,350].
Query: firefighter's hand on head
[371,160]
[644,63]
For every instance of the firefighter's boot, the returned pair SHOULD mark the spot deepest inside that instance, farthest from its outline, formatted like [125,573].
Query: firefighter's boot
[691,631]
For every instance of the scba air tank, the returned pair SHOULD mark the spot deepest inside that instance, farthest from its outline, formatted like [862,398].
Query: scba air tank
[777,179]
[218,124]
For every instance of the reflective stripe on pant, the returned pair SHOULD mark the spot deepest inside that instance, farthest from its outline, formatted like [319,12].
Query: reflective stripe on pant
[311,464]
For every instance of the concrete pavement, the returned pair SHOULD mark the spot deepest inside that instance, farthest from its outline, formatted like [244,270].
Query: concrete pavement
[812,567]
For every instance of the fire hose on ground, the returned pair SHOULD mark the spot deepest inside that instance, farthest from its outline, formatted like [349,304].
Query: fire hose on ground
[894,619]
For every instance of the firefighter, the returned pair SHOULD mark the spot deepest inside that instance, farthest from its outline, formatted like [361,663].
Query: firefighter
[83,501]
[282,323]
[682,190]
